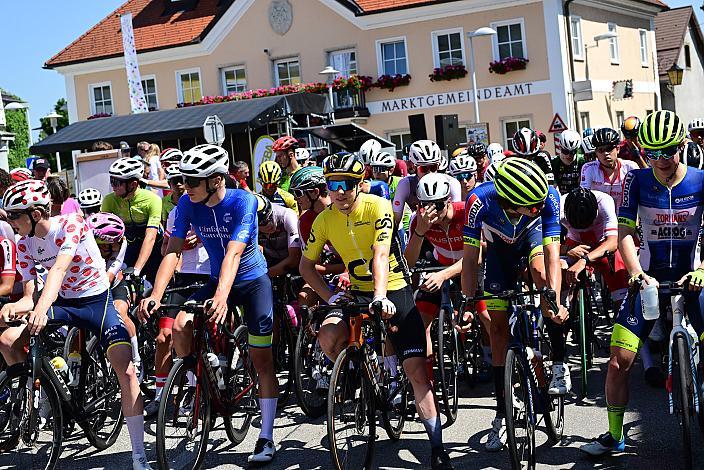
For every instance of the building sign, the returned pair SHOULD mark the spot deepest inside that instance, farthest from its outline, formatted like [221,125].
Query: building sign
[458,97]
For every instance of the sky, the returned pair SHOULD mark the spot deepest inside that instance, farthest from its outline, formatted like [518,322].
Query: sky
[33,31]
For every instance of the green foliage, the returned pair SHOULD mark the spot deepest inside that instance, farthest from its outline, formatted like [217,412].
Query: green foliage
[61,108]
[19,149]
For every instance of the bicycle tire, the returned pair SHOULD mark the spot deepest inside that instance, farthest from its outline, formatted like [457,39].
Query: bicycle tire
[393,417]
[175,393]
[351,380]
[311,402]
[554,417]
[240,414]
[447,360]
[683,387]
[583,342]
[10,440]
[517,380]
[283,361]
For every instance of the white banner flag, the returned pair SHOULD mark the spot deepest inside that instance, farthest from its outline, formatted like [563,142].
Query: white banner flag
[138,102]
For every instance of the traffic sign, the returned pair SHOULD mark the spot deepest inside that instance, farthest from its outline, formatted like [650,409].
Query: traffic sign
[558,125]
[214,130]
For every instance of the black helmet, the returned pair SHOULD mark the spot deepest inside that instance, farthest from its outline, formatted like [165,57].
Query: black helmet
[264,209]
[605,136]
[343,164]
[477,149]
[581,208]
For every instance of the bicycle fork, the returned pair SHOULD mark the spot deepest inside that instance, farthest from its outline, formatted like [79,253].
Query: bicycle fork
[678,329]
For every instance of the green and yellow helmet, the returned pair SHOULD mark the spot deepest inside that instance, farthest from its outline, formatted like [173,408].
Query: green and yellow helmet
[269,172]
[660,130]
[521,182]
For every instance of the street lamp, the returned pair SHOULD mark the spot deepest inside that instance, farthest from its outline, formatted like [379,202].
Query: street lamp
[331,73]
[25,106]
[53,122]
[483,31]
[674,74]
[597,38]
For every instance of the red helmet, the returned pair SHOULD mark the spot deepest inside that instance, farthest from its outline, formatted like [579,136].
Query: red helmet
[285,143]
[20,174]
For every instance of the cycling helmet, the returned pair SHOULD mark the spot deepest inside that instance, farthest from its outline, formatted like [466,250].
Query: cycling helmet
[264,209]
[490,172]
[525,141]
[309,177]
[171,155]
[587,145]
[270,172]
[433,187]
[285,143]
[477,149]
[459,151]
[463,164]
[570,140]
[630,126]
[127,168]
[660,130]
[424,152]
[368,149]
[20,174]
[693,155]
[444,163]
[343,164]
[521,182]
[172,171]
[695,124]
[588,131]
[384,159]
[26,195]
[302,154]
[107,227]
[605,136]
[89,197]
[494,150]
[204,160]
[581,208]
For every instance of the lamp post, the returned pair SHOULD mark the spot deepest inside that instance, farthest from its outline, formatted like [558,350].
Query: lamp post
[674,75]
[331,73]
[597,38]
[53,122]
[25,106]
[483,31]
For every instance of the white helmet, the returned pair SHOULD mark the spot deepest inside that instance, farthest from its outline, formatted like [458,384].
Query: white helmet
[587,145]
[204,160]
[89,197]
[495,151]
[490,172]
[127,168]
[463,164]
[172,171]
[444,163]
[384,159]
[570,140]
[25,195]
[302,154]
[695,124]
[425,152]
[171,155]
[369,148]
[433,187]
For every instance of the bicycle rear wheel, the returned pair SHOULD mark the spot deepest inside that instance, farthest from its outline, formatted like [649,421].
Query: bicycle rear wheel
[283,358]
[351,414]
[393,416]
[242,388]
[520,419]
[309,358]
[448,359]
[682,394]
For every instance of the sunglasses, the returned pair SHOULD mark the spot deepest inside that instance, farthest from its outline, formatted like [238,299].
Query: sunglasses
[427,168]
[666,153]
[193,181]
[176,180]
[465,176]
[269,185]
[116,182]
[15,215]
[697,132]
[345,185]
[606,148]
[379,169]
[439,205]
[568,152]
[298,193]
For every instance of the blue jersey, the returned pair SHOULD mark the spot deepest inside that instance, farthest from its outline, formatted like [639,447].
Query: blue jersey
[671,218]
[233,219]
[483,213]
[379,188]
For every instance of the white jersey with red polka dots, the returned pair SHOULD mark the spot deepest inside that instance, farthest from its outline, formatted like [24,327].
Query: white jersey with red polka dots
[68,235]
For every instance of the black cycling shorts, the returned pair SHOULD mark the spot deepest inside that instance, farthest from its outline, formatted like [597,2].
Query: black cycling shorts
[180,297]
[122,292]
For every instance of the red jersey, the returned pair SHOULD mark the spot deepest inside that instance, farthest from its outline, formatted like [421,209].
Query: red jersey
[448,246]
[305,224]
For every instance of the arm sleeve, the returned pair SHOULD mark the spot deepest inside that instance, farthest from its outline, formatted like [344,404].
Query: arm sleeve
[244,220]
[291,227]
[25,265]
[551,217]
[628,211]
[9,257]
[383,224]
[154,216]
[317,239]
[401,195]
[182,220]
[475,210]
[116,261]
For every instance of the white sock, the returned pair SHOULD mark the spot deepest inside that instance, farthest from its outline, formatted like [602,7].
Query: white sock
[135,426]
[391,365]
[135,350]
[268,407]
[191,378]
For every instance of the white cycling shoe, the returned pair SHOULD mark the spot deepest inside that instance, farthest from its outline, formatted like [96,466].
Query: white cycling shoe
[561,382]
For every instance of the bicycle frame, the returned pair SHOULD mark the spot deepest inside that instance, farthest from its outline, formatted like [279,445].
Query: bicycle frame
[678,330]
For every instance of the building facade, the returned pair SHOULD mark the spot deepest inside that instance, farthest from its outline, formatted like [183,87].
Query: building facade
[189,49]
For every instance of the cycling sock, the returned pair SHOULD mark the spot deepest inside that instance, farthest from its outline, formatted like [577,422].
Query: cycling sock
[391,365]
[616,421]
[135,427]
[499,389]
[268,407]
[135,350]
[557,340]
[645,356]
[160,382]
[433,427]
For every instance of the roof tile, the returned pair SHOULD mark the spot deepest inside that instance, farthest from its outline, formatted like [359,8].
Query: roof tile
[670,28]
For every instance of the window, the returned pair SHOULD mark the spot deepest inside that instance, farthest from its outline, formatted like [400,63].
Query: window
[509,40]
[620,117]
[392,56]
[643,47]
[149,87]
[577,41]
[400,141]
[687,57]
[613,44]
[585,121]
[511,127]
[344,61]
[234,80]
[189,86]
[101,98]
[287,71]
[448,47]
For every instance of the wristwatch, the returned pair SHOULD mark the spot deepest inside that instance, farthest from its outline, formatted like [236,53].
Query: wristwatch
[586,259]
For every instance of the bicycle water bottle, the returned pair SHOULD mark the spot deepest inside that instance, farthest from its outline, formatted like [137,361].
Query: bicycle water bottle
[292,315]
[649,301]
[215,366]
[60,367]
[74,369]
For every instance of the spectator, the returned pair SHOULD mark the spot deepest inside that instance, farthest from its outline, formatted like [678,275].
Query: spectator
[100,146]
[154,173]
[41,169]
[61,200]
[543,139]
[142,149]
[125,150]
[240,172]
[322,155]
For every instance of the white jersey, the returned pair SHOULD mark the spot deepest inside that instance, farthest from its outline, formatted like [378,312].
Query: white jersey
[594,178]
[406,192]
[605,224]
[195,260]
[68,235]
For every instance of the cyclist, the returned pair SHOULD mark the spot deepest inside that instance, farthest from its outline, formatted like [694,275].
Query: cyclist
[225,221]
[169,202]
[526,144]
[284,149]
[464,169]
[695,128]
[629,149]
[519,215]
[360,228]
[270,177]
[495,152]
[588,148]
[693,155]
[368,149]
[568,165]
[90,199]
[140,210]
[278,237]
[65,245]
[169,157]
[383,164]
[479,152]
[302,156]
[608,173]
[668,201]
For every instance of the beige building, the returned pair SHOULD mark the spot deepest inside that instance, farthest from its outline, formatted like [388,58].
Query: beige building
[188,49]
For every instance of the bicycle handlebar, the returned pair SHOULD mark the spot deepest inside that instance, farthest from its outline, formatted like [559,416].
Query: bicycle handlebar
[510,295]
[196,308]
[354,308]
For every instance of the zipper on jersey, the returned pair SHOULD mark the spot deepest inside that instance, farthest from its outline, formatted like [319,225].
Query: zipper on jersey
[669,200]
[217,229]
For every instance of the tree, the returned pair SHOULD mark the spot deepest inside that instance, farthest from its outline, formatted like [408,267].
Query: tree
[19,148]
[61,108]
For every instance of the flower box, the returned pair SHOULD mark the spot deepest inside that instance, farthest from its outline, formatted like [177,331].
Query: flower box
[390,82]
[98,116]
[508,64]
[448,72]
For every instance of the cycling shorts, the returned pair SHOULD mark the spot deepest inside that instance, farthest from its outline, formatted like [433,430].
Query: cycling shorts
[122,292]
[96,313]
[152,265]
[255,297]
[630,329]
[409,339]
[616,277]
[180,297]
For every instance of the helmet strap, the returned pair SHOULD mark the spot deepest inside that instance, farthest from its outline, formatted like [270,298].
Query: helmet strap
[210,190]
[33,222]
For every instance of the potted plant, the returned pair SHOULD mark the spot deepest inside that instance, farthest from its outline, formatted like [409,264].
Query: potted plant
[448,72]
[390,82]
[508,64]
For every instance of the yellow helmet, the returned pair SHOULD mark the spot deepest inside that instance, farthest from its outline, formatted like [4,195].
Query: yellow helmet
[459,151]
[269,172]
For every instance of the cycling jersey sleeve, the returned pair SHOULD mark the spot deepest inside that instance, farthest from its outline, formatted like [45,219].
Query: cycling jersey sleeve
[455,190]
[586,180]
[607,211]
[154,214]
[550,216]
[475,210]
[182,219]
[116,261]
[383,223]
[402,192]
[317,238]
[9,257]
[628,212]
[108,204]
[379,188]
[244,219]
[291,227]
[72,229]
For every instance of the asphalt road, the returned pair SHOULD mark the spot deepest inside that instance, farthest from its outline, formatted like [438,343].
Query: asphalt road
[653,437]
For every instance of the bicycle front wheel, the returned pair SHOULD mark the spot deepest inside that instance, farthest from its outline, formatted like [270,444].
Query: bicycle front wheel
[448,359]
[242,387]
[682,394]
[520,419]
[351,414]
[309,360]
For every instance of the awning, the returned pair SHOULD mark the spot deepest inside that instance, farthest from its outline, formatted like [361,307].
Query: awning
[182,122]
[349,137]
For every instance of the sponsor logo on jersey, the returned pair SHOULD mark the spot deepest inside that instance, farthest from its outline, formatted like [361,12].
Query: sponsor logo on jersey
[227,217]
[676,218]
[626,189]
[475,205]
[248,219]
[631,320]
[684,198]
[361,222]
[671,233]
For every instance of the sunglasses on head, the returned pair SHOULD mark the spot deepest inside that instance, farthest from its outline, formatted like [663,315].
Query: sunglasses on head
[193,181]
[14,215]
[345,185]
[439,205]
[606,148]
[379,169]
[465,176]
[116,182]
[666,153]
